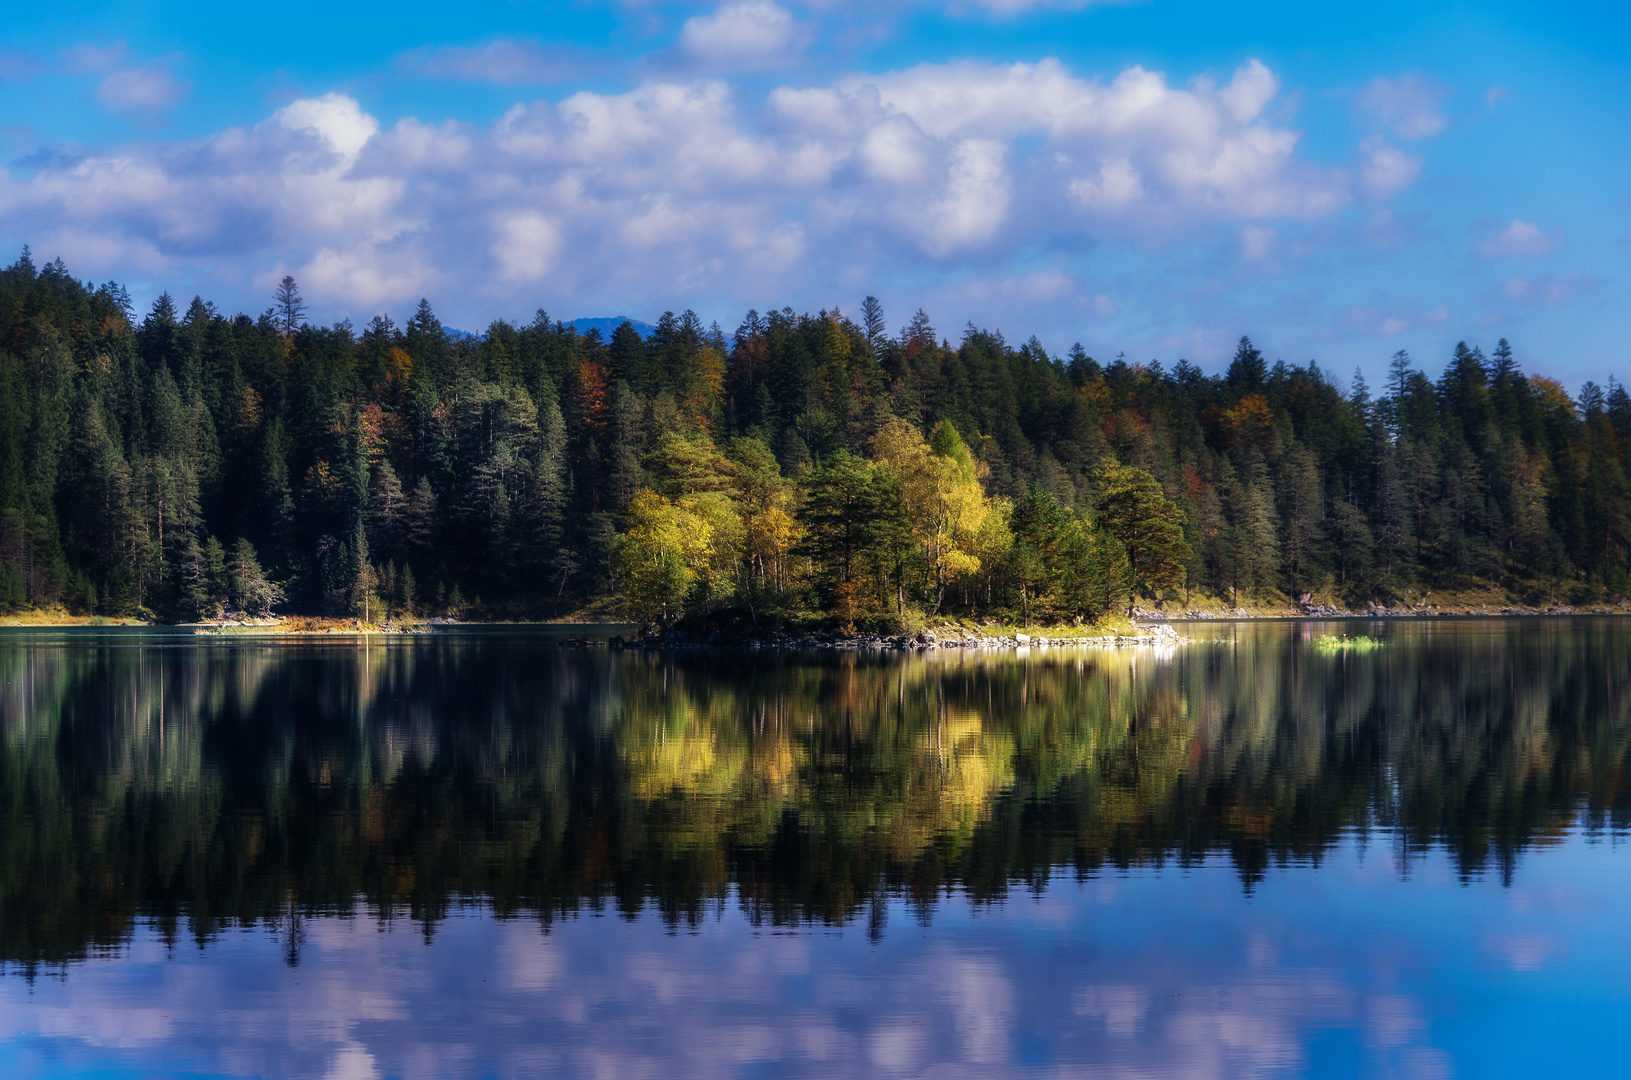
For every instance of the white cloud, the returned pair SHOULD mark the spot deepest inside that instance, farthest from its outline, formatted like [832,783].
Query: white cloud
[337,119]
[93,251]
[753,33]
[974,201]
[1039,285]
[677,188]
[140,90]
[94,59]
[1407,106]
[526,247]
[1256,241]
[1519,238]
[1387,319]
[1386,170]
[1137,149]
[1549,290]
[364,274]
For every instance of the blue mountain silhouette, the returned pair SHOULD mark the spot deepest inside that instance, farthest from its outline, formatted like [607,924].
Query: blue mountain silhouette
[607,325]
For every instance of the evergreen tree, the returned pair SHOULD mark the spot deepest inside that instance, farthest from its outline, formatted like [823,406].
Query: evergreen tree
[1148,526]
[290,309]
[835,467]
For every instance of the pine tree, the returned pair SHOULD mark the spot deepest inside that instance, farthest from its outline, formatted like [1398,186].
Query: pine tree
[1132,508]
[1302,515]
[872,325]
[362,590]
[248,590]
[290,309]
[387,509]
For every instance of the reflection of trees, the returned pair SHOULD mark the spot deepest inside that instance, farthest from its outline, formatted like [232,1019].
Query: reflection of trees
[263,783]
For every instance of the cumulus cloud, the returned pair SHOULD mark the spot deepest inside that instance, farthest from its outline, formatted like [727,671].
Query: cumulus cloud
[753,33]
[526,247]
[369,274]
[1519,238]
[1138,149]
[338,121]
[1408,107]
[677,187]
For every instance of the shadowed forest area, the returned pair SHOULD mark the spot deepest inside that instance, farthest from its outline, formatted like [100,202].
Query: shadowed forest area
[216,786]
[184,463]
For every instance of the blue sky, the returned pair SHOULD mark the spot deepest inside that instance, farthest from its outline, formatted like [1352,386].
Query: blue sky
[1150,178]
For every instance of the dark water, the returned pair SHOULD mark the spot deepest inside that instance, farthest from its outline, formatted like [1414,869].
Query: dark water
[485,855]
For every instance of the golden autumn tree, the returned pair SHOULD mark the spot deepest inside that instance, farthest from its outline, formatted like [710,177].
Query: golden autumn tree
[658,558]
[764,501]
[944,501]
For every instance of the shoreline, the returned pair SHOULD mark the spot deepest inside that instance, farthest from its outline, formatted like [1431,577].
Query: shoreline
[1315,612]
[1149,627]
[923,641]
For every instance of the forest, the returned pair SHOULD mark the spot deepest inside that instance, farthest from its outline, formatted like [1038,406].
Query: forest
[184,464]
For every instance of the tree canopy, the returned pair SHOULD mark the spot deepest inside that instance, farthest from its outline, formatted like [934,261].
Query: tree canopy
[187,463]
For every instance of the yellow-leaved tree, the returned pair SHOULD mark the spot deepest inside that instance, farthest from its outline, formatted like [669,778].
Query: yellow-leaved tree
[764,501]
[944,502]
[657,560]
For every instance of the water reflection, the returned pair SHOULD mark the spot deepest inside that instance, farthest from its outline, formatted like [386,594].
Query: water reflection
[198,790]
[1330,972]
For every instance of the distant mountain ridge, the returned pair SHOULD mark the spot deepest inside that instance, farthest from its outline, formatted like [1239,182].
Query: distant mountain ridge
[607,325]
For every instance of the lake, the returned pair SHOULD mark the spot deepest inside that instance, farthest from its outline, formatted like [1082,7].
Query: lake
[486,854]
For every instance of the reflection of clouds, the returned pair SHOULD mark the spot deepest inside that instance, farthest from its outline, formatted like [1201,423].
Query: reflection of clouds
[353,1063]
[1391,1020]
[615,998]
[1550,900]
[531,969]
[1247,1028]
[1146,974]
[983,1003]
[1524,952]
[1122,1008]
[897,1047]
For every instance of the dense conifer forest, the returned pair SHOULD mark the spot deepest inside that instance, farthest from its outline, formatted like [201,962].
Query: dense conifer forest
[186,463]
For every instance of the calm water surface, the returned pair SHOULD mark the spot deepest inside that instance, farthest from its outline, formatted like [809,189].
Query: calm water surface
[486,855]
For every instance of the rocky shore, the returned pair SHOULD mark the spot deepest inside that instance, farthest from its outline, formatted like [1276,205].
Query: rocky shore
[924,640]
[1328,611]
